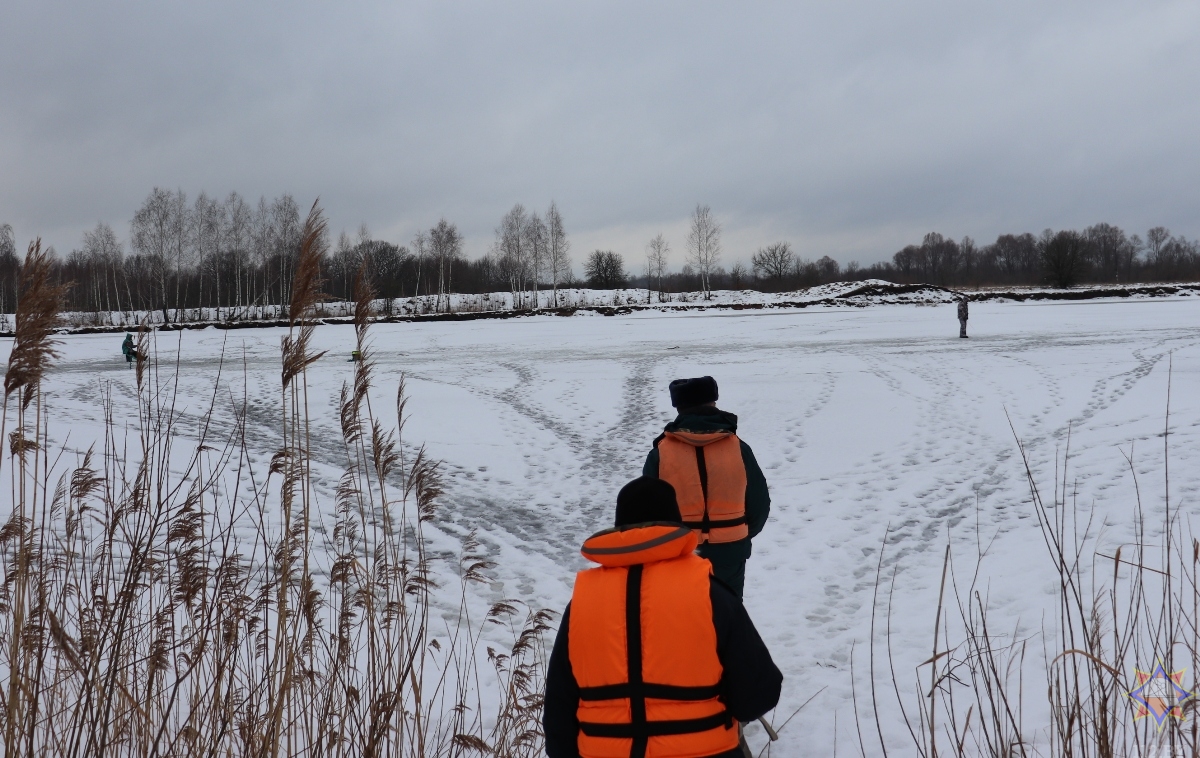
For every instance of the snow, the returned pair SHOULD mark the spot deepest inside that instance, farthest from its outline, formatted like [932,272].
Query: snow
[865,421]
[590,301]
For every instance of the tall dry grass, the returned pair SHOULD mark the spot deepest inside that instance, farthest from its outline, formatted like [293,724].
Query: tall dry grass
[993,688]
[163,596]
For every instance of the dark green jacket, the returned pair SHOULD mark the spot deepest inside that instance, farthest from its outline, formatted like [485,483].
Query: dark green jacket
[758,498]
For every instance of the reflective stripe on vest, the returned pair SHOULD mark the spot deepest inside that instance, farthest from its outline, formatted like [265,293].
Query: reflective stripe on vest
[644,652]
[709,477]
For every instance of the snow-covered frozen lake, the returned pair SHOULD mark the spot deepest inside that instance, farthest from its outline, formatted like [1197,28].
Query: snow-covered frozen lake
[862,418]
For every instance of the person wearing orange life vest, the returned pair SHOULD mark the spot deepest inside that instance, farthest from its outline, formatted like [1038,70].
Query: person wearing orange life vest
[654,658]
[722,492]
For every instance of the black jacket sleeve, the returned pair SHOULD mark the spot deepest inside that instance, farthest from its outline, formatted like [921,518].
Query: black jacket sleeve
[650,467]
[750,682]
[560,714]
[758,497]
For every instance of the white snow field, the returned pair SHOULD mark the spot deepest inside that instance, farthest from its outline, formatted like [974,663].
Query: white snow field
[862,419]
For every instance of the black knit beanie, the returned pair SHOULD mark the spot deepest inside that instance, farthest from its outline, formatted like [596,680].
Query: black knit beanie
[687,393]
[646,499]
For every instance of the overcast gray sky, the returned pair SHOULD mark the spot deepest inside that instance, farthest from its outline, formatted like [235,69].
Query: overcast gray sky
[849,128]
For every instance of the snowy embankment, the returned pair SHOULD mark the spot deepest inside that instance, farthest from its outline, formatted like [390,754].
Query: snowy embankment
[866,421]
[572,301]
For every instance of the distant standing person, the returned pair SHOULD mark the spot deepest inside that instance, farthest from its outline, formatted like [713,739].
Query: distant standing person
[721,490]
[962,316]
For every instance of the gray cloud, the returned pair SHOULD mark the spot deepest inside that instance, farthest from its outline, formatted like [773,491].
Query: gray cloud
[849,128]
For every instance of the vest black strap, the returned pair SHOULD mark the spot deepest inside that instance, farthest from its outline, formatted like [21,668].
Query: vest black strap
[640,732]
[633,659]
[715,523]
[705,524]
[656,691]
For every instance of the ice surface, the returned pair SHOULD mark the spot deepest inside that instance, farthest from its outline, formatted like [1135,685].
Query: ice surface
[864,420]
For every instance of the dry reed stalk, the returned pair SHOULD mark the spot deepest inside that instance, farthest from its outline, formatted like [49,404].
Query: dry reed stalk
[1142,612]
[39,301]
[151,623]
[294,545]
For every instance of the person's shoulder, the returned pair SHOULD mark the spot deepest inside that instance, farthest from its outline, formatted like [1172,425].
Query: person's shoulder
[747,451]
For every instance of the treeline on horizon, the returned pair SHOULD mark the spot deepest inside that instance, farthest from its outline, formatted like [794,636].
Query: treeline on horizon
[238,256]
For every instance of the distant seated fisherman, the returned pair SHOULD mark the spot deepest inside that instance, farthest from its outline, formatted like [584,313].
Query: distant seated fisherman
[655,658]
[721,489]
[128,349]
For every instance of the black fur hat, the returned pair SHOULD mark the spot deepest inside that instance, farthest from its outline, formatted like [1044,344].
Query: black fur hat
[687,393]
[646,499]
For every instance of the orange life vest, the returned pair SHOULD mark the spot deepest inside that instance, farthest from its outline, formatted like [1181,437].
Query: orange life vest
[709,477]
[644,650]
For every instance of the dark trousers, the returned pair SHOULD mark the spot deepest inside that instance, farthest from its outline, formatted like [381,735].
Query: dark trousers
[962,327]
[729,569]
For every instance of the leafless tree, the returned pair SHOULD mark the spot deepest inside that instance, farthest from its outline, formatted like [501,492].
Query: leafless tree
[968,258]
[704,246]
[774,263]
[940,257]
[605,269]
[103,251]
[445,244]
[558,250]
[344,263]
[261,235]
[537,244]
[179,246]
[1062,256]
[208,216]
[1107,250]
[1156,242]
[9,265]
[511,253]
[152,231]
[238,224]
[829,269]
[286,229]
[657,252]
[1017,255]
[737,275]
[420,246]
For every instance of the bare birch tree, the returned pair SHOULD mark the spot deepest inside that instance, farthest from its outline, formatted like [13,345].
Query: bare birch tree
[151,237]
[704,246]
[286,229]
[656,263]
[536,244]
[420,244]
[558,250]
[208,221]
[511,251]
[101,247]
[260,240]
[238,222]
[178,245]
[445,243]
